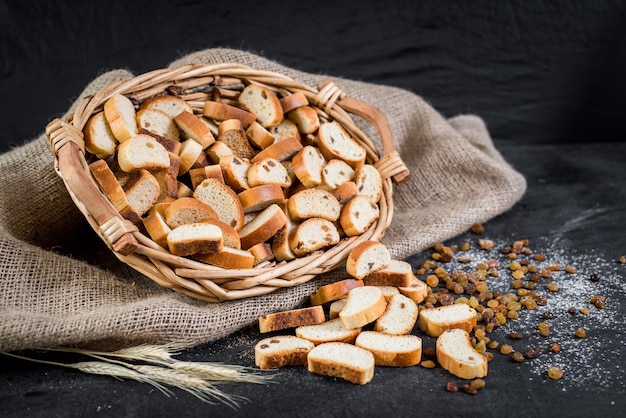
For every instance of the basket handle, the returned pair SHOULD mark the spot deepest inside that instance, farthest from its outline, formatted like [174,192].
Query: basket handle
[390,163]
[67,144]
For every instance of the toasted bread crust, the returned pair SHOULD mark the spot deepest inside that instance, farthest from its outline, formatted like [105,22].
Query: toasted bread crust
[291,319]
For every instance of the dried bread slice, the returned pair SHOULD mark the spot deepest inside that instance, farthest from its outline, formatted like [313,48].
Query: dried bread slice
[334,291]
[342,360]
[281,351]
[369,181]
[417,290]
[434,321]
[335,307]
[259,136]
[218,150]
[189,153]
[229,234]
[399,317]
[263,104]
[335,142]
[293,101]
[142,191]
[398,273]
[456,354]
[168,179]
[313,203]
[367,257]
[259,197]
[228,258]
[142,151]
[263,226]
[235,171]
[268,171]
[345,192]
[307,166]
[328,331]
[335,173]
[191,126]
[305,118]
[158,122]
[280,242]
[200,237]
[168,104]
[170,145]
[231,132]
[391,350]
[312,235]
[99,139]
[388,291]
[357,215]
[109,184]
[223,111]
[281,150]
[186,210]
[120,113]
[156,227]
[286,129]
[364,305]
[261,252]
[223,200]
[293,318]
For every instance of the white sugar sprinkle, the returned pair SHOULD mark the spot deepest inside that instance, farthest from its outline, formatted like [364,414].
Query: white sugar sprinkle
[586,362]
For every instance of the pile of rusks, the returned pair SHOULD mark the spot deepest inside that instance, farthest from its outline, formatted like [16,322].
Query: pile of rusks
[368,320]
[247,178]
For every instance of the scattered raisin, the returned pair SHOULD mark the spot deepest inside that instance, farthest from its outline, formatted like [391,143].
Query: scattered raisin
[478,229]
[452,387]
[544,329]
[506,349]
[555,373]
[428,364]
[517,357]
[532,352]
[469,389]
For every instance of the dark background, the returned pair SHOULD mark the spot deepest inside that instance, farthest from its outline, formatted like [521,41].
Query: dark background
[547,77]
[537,71]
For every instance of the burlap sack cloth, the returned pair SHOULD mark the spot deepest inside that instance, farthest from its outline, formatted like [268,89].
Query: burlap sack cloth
[59,286]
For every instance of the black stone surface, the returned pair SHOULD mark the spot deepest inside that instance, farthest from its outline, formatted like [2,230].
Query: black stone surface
[547,77]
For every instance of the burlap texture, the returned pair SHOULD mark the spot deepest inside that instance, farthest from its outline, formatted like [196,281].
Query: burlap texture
[61,287]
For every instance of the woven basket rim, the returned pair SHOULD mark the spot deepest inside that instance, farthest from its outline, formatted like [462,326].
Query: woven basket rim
[184,275]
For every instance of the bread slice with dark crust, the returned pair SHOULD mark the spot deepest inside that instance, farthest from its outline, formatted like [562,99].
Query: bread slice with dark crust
[292,318]
[195,238]
[281,351]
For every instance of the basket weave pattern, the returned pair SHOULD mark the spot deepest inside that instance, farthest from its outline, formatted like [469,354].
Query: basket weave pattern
[194,83]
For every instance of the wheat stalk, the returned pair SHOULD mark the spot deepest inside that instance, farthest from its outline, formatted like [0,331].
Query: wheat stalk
[162,370]
[219,373]
[200,388]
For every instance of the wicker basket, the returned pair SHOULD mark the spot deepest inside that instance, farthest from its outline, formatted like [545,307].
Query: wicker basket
[194,83]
